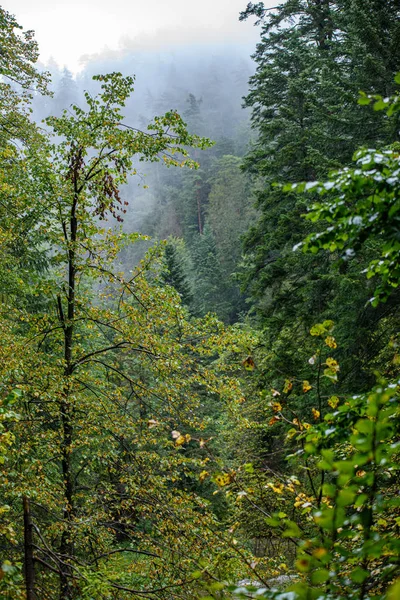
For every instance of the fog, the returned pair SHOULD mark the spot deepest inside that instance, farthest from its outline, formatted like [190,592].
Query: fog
[215,75]
[203,73]
[71,32]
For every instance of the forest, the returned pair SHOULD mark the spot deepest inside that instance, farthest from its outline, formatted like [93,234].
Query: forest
[199,312]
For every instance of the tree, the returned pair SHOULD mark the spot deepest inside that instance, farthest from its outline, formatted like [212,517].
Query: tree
[293,143]
[362,205]
[174,274]
[67,92]
[229,214]
[207,276]
[310,67]
[335,499]
[111,379]
[21,143]
[303,107]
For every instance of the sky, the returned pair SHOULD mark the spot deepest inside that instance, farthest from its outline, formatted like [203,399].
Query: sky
[71,31]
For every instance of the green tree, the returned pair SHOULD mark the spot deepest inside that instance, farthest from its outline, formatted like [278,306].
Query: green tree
[112,375]
[229,214]
[335,499]
[310,67]
[207,276]
[21,149]
[175,274]
[312,60]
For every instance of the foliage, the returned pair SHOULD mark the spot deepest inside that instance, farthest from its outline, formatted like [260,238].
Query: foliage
[21,151]
[362,203]
[148,450]
[312,60]
[109,364]
[9,573]
[174,273]
[340,510]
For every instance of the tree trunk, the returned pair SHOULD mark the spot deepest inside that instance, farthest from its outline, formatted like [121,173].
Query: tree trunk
[67,407]
[29,567]
[66,544]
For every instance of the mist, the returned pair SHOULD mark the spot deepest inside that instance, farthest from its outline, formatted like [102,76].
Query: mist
[215,75]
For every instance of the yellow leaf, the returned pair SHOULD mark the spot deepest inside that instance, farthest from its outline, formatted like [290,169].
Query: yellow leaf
[332,364]
[180,440]
[276,406]
[316,413]
[306,386]
[291,433]
[223,479]
[249,364]
[276,487]
[331,342]
[320,552]
[203,475]
[288,386]
[333,401]
[303,565]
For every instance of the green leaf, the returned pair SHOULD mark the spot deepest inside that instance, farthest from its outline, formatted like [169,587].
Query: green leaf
[380,104]
[345,497]
[394,590]
[272,522]
[319,576]
[197,574]
[365,426]
[292,530]
[359,575]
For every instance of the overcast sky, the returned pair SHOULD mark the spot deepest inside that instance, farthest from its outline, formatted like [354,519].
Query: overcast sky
[69,30]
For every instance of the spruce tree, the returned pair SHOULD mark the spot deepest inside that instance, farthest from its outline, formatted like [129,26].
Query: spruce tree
[293,143]
[312,60]
[174,273]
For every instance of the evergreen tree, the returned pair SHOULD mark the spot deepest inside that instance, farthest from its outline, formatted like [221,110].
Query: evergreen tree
[229,214]
[312,59]
[291,142]
[207,277]
[174,273]
[67,92]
